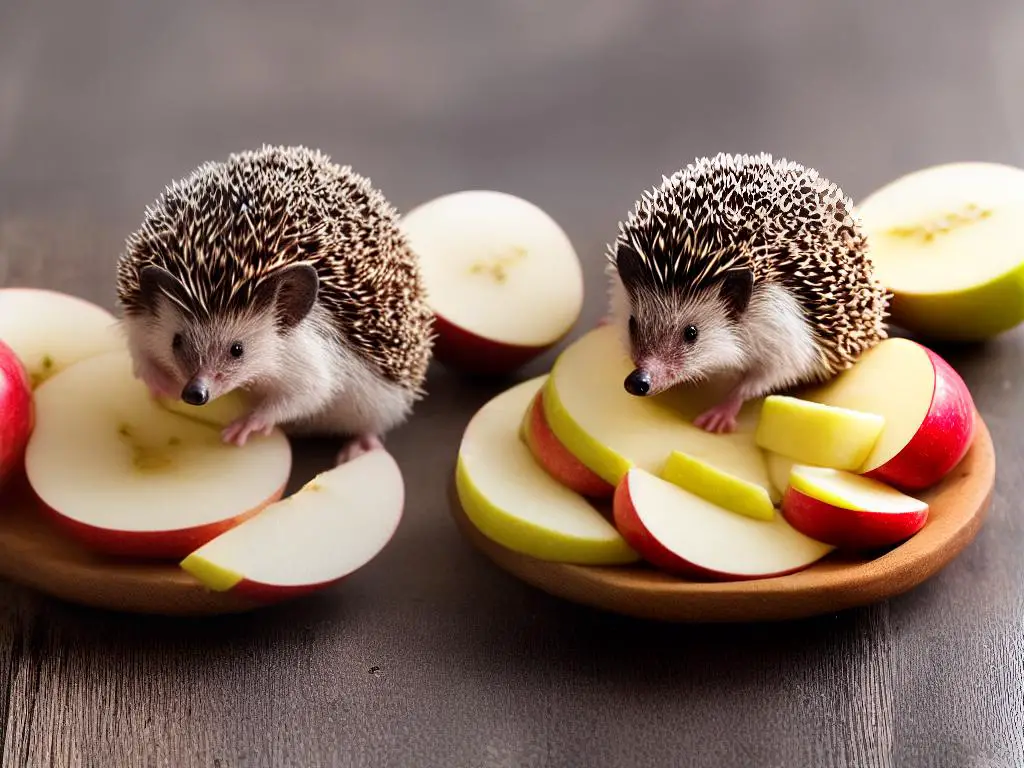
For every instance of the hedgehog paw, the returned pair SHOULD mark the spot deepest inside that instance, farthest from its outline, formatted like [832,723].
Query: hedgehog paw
[358,446]
[240,430]
[721,418]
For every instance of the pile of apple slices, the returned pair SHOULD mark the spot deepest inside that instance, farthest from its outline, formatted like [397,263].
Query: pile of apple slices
[132,477]
[569,467]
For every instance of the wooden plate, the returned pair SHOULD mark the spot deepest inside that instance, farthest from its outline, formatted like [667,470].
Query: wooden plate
[958,506]
[33,553]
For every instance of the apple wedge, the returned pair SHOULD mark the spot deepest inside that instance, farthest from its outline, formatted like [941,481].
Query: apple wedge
[50,330]
[217,413]
[17,412]
[945,241]
[779,468]
[503,279]
[508,496]
[610,431]
[850,511]
[556,459]
[682,533]
[815,433]
[718,487]
[125,476]
[328,529]
[928,411]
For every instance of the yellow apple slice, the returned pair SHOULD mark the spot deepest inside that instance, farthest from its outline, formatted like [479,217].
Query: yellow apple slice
[946,241]
[126,476]
[49,330]
[508,496]
[779,468]
[331,527]
[610,431]
[218,413]
[814,433]
[503,279]
[718,487]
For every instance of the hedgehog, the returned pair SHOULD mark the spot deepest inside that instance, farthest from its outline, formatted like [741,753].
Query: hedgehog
[282,274]
[747,268]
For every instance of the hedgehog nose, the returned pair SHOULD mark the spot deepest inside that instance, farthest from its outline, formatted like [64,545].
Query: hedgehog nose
[195,393]
[638,382]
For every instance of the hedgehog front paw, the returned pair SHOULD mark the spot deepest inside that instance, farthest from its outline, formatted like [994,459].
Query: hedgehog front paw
[721,418]
[240,430]
[358,446]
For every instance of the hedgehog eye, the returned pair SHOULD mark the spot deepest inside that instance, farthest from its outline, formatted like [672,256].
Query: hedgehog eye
[236,349]
[177,341]
[690,333]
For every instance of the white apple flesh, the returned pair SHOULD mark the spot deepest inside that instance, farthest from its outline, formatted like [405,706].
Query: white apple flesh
[502,277]
[125,476]
[334,525]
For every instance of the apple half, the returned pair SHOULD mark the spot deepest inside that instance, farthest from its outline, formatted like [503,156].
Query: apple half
[850,511]
[945,240]
[127,477]
[682,533]
[513,501]
[721,488]
[928,410]
[17,413]
[49,330]
[556,459]
[610,431]
[334,525]
[503,279]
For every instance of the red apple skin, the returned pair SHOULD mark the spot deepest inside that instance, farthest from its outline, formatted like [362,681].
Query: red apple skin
[942,440]
[848,529]
[151,545]
[17,413]
[556,459]
[466,352]
[628,523]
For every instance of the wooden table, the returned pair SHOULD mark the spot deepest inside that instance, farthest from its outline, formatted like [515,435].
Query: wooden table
[430,656]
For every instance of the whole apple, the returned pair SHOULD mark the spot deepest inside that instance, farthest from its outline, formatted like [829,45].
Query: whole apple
[17,412]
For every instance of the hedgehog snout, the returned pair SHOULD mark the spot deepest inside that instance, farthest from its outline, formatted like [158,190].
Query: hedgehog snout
[638,383]
[196,392]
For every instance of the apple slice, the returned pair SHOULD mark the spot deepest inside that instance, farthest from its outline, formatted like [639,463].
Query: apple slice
[819,434]
[928,411]
[508,496]
[718,487]
[779,468]
[946,241]
[682,533]
[217,413]
[50,330]
[850,511]
[17,412]
[556,459]
[331,527]
[126,476]
[503,279]
[610,431]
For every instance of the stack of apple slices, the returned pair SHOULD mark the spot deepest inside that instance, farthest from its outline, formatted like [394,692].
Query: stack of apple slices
[568,467]
[129,476]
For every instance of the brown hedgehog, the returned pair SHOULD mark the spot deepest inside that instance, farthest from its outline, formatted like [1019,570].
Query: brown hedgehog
[748,266]
[285,275]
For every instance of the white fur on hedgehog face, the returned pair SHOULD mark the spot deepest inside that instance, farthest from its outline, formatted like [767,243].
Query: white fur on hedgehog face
[653,325]
[225,353]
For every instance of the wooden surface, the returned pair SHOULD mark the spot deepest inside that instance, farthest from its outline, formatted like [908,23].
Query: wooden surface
[431,656]
[842,580]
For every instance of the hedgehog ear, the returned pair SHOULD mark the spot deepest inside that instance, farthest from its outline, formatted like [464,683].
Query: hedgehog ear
[292,293]
[630,265]
[155,282]
[735,289]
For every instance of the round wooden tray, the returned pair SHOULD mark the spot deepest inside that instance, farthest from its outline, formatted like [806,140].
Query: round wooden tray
[958,506]
[33,553]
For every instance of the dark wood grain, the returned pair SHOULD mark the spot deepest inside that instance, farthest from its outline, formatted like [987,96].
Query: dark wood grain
[430,655]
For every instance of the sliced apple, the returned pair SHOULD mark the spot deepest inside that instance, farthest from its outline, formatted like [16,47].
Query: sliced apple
[718,487]
[850,511]
[331,527]
[682,533]
[610,431]
[217,413]
[514,502]
[928,410]
[946,241]
[779,468]
[17,412]
[49,330]
[503,279]
[815,433]
[555,457]
[126,476]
